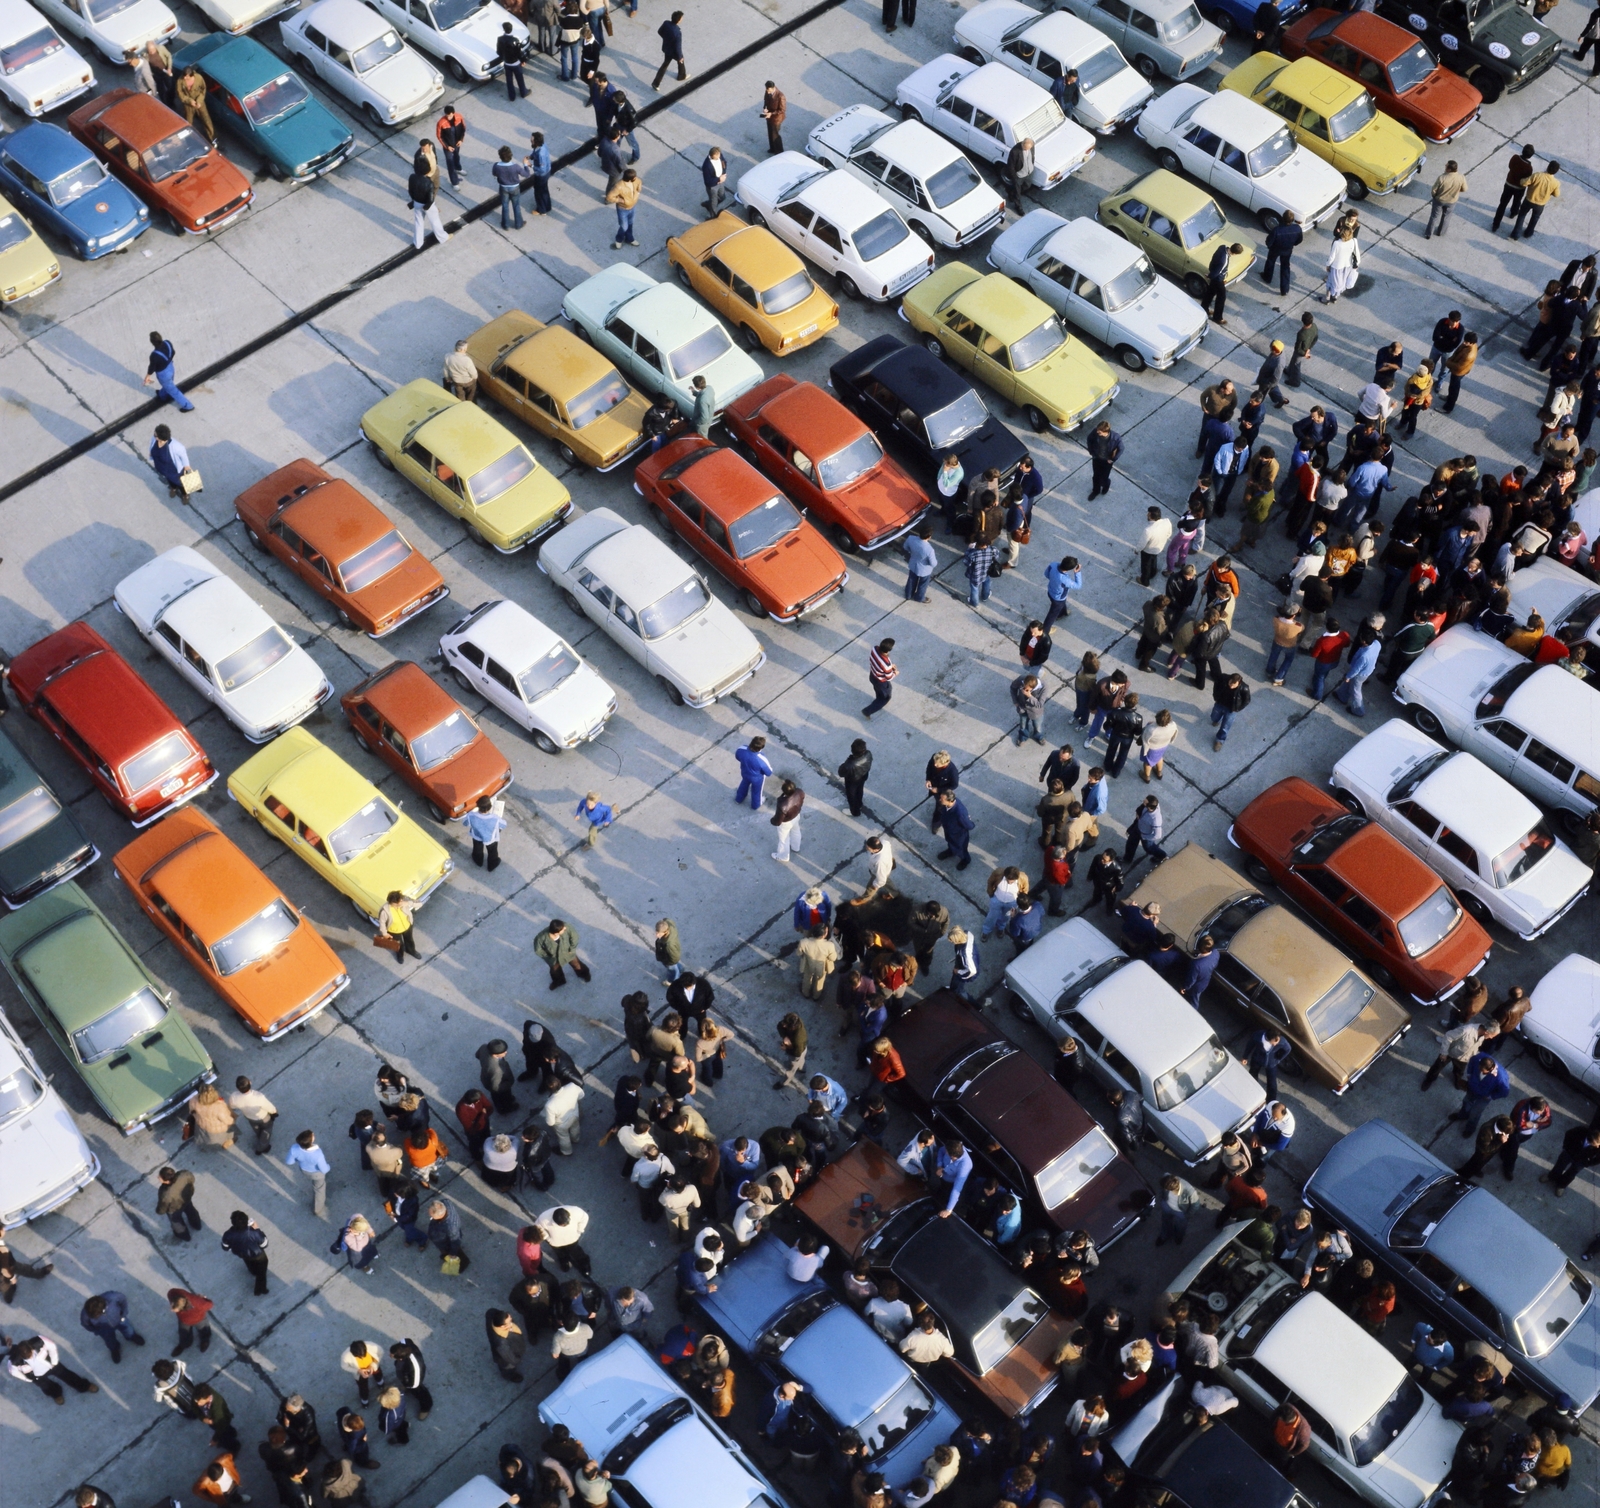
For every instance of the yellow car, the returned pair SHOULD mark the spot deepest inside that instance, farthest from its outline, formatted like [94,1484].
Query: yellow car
[1007,337]
[1334,117]
[469,463]
[27,265]
[1179,226]
[561,387]
[754,282]
[346,829]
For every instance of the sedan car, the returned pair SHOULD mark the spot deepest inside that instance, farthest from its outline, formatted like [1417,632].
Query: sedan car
[1564,1024]
[44,1159]
[235,17]
[340,546]
[41,843]
[1011,340]
[1179,227]
[736,521]
[461,33]
[231,923]
[116,27]
[660,338]
[528,671]
[1137,1034]
[1496,44]
[322,810]
[1018,1123]
[69,192]
[1466,1259]
[251,94]
[1488,841]
[654,605]
[113,1023]
[1568,602]
[27,265]
[101,711]
[359,54]
[1161,36]
[755,282]
[1242,150]
[38,71]
[166,162]
[825,457]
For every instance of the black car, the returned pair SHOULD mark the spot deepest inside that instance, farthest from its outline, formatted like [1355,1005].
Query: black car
[927,410]
[1495,44]
[41,844]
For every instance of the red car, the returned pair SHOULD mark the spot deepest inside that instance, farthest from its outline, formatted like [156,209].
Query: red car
[103,714]
[828,461]
[1396,68]
[747,529]
[1370,891]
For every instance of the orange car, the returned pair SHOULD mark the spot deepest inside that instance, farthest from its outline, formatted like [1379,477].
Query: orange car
[341,546]
[232,923]
[163,160]
[826,459]
[414,726]
[744,526]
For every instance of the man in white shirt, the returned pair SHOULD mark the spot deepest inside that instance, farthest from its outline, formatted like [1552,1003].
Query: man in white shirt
[917,1157]
[889,1313]
[636,1139]
[257,1109]
[880,864]
[37,1360]
[648,1174]
[1153,543]
[679,1198]
[926,1343]
[561,1229]
[708,1244]
[805,1258]
[570,1341]
[561,1112]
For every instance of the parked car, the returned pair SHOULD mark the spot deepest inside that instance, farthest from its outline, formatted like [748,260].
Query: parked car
[231,923]
[69,192]
[1240,15]
[340,546]
[100,710]
[1161,36]
[41,842]
[235,17]
[27,265]
[116,27]
[1568,602]
[462,34]
[851,1197]
[223,643]
[1179,227]
[1465,1259]
[38,70]
[530,673]
[357,53]
[1137,1034]
[1564,1023]
[1480,833]
[655,606]
[1244,151]
[112,1021]
[941,195]
[44,1159]
[1496,44]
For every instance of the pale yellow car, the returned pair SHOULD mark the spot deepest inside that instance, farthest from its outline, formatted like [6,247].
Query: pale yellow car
[1334,117]
[27,265]
[754,282]
[346,829]
[560,387]
[1009,338]
[469,463]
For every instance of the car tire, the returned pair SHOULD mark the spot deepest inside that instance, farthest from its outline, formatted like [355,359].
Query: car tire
[681,272]
[1269,220]
[1572,825]
[376,121]
[752,341]
[380,455]
[1490,85]
[673,694]
[302,66]
[971,55]
[755,217]
[847,288]
[1550,1062]
[1036,419]
[754,604]
[256,539]
[1349,801]
[569,455]
[1131,359]
[572,603]
[361,740]
[437,812]
[1195,286]
[361,911]
[276,172]
[842,541]
[581,333]
[931,343]
[1426,722]
[1147,67]
[1220,19]
[1018,1006]
[1169,160]
[919,229]
[1474,908]
[1258,871]
[1355,188]
[543,742]
[456,71]
[910,112]
[462,681]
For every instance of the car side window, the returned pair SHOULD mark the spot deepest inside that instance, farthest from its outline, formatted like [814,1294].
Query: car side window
[1119,1065]
[803,464]
[1434,1270]
[1083,1031]
[1114,8]
[769,436]
[197,660]
[1507,732]
[902,183]
[1267,1000]
[959,324]
[1136,209]
[1425,822]
[280,811]
[1050,67]
[959,108]
[1090,293]
[1280,104]
[1587,786]
[1022,49]
[1319,1426]
[365,713]
[719,270]
[1459,849]
[1341,55]
[419,9]
[502,677]
[1314,123]
[619,329]
[827,234]
[317,562]
[312,839]
[1479,1307]
[982,121]
[799,213]
[1324,883]
[292,541]
[1364,916]
[872,163]
[419,454]
[315,38]
[1142,22]
[1235,975]
[1261,1377]
[395,739]
[470,653]
[541,401]
[648,352]
[689,505]
[715,530]
[596,588]
[1233,158]
[170,634]
[1371,73]
[1549,761]
[626,616]
[1057,271]
[1203,141]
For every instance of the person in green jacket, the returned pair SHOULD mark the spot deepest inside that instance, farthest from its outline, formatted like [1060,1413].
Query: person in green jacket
[558,946]
[669,951]
[1408,643]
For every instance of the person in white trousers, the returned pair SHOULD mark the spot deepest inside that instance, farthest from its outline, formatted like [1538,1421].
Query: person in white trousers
[787,820]
[424,208]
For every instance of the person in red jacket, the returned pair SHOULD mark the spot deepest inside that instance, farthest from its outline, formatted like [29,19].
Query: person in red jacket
[194,1322]
[885,1062]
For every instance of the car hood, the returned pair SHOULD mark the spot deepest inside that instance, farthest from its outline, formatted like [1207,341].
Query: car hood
[1199,1123]
[708,650]
[1455,670]
[993,445]
[1071,380]
[477,769]
[401,79]
[204,188]
[1515,30]
[59,844]
[144,21]
[307,132]
[41,1153]
[577,704]
[883,500]
[109,209]
[1445,96]
[1385,145]
[407,860]
[1303,182]
[1417,1461]
[1121,92]
[300,968]
[279,692]
[139,1079]
[1361,1180]
[799,566]
[1549,885]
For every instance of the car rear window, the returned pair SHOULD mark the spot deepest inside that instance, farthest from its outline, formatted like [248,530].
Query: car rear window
[375,562]
[443,741]
[499,477]
[1185,24]
[1008,1329]
[1516,861]
[20,1092]
[695,355]
[168,753]
[593,402]
[955,180]
[256,658]
[255,939]
[1041,122]
[26,816]
[793,291]
[353,838]
[1383,1428]
[1066,1176]
[1428,926]
[1105,64]
[880,234]
[1191,1076]
[908,1406]
[1339,1008]
[118,1027]
[30,50]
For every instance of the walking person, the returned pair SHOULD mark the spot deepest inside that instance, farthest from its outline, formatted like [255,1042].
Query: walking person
[1061,579]
[624,197]
[509,49]
[37,1360]
[1458,363]
[1305,340]
[247,1241]
[1446,193]
[593,811]
[192,1311]
[1363,661]
[496,1075]
[1124,728]
[1019,172]
[1267,1054]
[1145,831]
[669,949]
[774,110]
[161,370]
[422,200]
[857,765]
[538,160]
[881,673]
[1343,266]
[1152,544]
[1105,449]
[410,1375]
[106,1315]
[1580,1149]
[786,818]
[1229,697]
[1281,242]
[306,1155]
[1486,1082]
[1539,190]
[507,1343]
[951,818]
[175,1200]
[1027,697]
[714,174]
[1216,299]
[257,1111]
[1155,743]
[460,372]
[1518,171]
[169,460]
[921,561]
[671,33]
[508,176]
[450,131]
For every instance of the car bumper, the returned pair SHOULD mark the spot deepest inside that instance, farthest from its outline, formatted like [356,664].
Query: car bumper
[57,1196]
[266,735]
[1182,351]
[1444,996]
[16,295]
[438,595]
[626,456]
[1210,1152]
[1199,64]
[169,1105]
[1393,1041]
[444,874]
[109,246]
[324,165]
[1078,420]
[1453,132]
[312,1007]
[263,18]
[807,608]
[57,100]
[980,230]
[1240,275]
[593,733]
[63,872]
[1402,180]
[1544,927]
[874,545]
[728,686]
[549,526]
[223,223]
[168,807]
[1127,1227]
[1326,210]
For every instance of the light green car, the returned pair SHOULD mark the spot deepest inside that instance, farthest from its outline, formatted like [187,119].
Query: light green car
[1178,226]
[113,1021]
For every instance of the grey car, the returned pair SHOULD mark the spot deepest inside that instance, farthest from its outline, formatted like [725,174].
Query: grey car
[1156,36]
[1468,1260]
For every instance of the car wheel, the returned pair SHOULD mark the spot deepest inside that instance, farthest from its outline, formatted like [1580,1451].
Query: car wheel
[456,71]
[1146,66]
[302,66]
[659,517]
[682,274]
[380,456]
[572,602]
[1474,908]
[1036,419]
[1270,220]
[673,694]
[462,681]
[544,743]
[480,537]
[361,911]
[919,229]
[376,121]
[1169,160]
[256,539]
[931,342]
[347,620]
[276,172]
[848,289]
[842,541]
[1490,85]
[1195,285]
[1572,825]
[752,341]
[1258,871]
[1130,358]
[1349,801]
[1427,722]
[581,333]
[362,741]
[1354,187]
[1018,1006]
[569,455]
[755,217]
[971,55]
[1220,19]
[910,112]
[437,812]
[1550,1062]
[757,607]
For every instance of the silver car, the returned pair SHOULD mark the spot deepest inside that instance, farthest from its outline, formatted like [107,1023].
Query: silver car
[1156,36]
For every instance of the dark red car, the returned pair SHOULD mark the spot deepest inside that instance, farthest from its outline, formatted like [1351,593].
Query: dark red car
[103,714]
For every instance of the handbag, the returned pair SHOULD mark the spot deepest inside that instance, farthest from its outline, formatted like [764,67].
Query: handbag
[189,480]
[1023,535]
[450,1267]
[391,944]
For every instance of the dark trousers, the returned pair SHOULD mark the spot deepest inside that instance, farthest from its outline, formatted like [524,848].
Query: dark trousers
[424,1399]
[573,1255]
[1510,199]
[661,72]
[1531,213]
[505,1102]
[1054,611]
[187,1213]
[515,82]
[1266,1069]
[1541,336]
[1452,392]
[854,792]
[558,974]
[452,163]
[408,942]
[187,1334]
[1216,299]
[486,851]
[50,1383]
[1565,1170]
[891,13]
[1101,471]
[774,136]
[956,843]
[1149,566]
[1014,188]
[113,1335]
[257,1268]
[1283,272]
[1201,666]
[364,1385]
[881,692]
[1116,753]
[541,193]
[1131,848]
[1105,890]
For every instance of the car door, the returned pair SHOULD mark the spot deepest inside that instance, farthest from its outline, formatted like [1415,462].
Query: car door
[341,73]
[1230,172]
[419,23]
[1418,829]
[617,342]
[908,193]
[1197,150]
[776,457]
[1498,743]
[827,247]
[1090,1039]
[469,666]
[69,13]
[297,556]
[536,408]
[960,340]
[1111,16]
[316,53]
[712,537]
[622,623]
[168,641]
[793,223]
[1132,219]
[716,283]
[956,122]
[594,596]
[1088,309]
[683,511]
[874,165]
[500,686]
[1547,771]
[992,364]
[1319,891]
[19,183]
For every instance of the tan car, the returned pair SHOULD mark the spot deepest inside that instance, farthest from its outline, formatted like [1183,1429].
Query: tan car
[1281,972]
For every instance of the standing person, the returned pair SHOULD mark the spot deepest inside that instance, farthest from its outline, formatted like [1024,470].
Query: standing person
[561,1229]
[1145,831]
[818,955]
[1486,1081]
[1458,363]
[1027,697]
[786,818]
[510,51]
[450,130]
[1205,649]
[538,161]
[353,1442]
[921,560]
[169,460]
[593,811]
[444,1231]
[671,33]
[175,1200]
[950,817]
[705,408]
[484,826]
[161,372]
[496,1076]
[669,950]
[1528,1118]
[1019,171]
[1061,579]
[1580,1148]
[258,1111]
[1155,742]
[977,565]
[193,1313]
[192,101]
[410,1374]
[1291,1439]
[507,1343]
[853,772]
[221,1484]
[891,10]
[1173,1203]
[306,1155]
[1124,728]
[1518,171]
[1152,543]
[460,372]
[774,109]
[1305,340]
[881,672]
[1105,878]
[1267,1054]
[753,771]
[624,197]
[563,1114]
[714,174]
[396,927]
[248,1242]
[1539,190]
[160,61]
[570,1342]
[1229,697]
[1105,449]
[422,201]
[1343,266]
[508,176]
[1268,373]
[1363,661]
[1281,242]
[793,1040]
[106,1315]
[1418,396]
[1447,190]
[1216,299]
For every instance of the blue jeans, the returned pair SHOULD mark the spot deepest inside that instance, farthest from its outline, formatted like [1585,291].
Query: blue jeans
[1174,1225]
[541,194]
[625,226]
[510,208]
[170,391]
[1080,711]
[1054,611]
[1319,680]
[674,970]
[917,587]
[995,921]
[1030,728]
[633,145]
[977,591]
[1221,720]
[961,988]
[1348,691]
[414,1235]
[1279,658]
[363,1259]
[515,81]
[571,59]
[112,1335]
[754,788]
[1096,722]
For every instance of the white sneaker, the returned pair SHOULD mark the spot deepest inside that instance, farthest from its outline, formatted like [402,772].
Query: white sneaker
[781,858]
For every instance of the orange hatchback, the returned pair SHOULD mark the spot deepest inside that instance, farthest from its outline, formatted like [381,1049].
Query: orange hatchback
[744,526]
[163,160]
[415,726]
[232,923]
[341,546]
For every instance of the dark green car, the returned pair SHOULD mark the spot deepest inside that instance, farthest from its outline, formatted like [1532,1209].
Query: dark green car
[1495,44]
[113,1021]
[41,843]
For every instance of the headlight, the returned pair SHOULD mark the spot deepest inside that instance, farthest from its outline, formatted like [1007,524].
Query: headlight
[144,212]
[90,244]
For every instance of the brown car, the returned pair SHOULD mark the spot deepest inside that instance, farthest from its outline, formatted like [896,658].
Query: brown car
[415,726]
[1017,1121]
[341,546]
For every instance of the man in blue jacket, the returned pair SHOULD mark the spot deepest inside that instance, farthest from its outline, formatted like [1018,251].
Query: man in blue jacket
[1061,579]
[1027,921]
[753,772]
[1201,967]
[106,1315]
[1281,242]
[1487,1082]
[950,817]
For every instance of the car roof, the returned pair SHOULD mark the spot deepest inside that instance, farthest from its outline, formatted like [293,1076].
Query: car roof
[139,119]
[62,935]
[318,780]
[559,361]
[916,147]
[755,1291]
[219,615]
[1562,712]
[844,199]
[241,64]
[1499,1253]
[726,483]
[758,256]
[1003,308]
[807,415]
[335,518]
[45,148]
[347,22]
[668,315]
[1239,121]
[917,377]
[1069,37]
[19,20]
[1150,1023]
[638,564]
[210,881]
[1191,886]
[1375,36]
[845,1363]
[511,634]
[1001,91]
[1175,197]
[464,430]
[407,697]
[957,1273]
[1311,80]
[1330,1362]
[831,1201]
[1026,1111]
[1292,958]
[1091,249]
[1482,806]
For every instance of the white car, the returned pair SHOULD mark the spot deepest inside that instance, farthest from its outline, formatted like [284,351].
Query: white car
[1568,603]
[1564,1023]
[987,109]
[358,54]
[656,606]
[44,1159]
[942,196]
[239,16]
[836,221]
[116,27]
[505,654]
[222,643]
[1042,48]
[1485,839]
[462,33]
[1243,150]
[1138,1034]
[1161,36]
[38,71]
[1106,287]
[477,1492]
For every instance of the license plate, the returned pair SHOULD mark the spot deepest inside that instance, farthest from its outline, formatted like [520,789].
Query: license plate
[809,330]
[173,786]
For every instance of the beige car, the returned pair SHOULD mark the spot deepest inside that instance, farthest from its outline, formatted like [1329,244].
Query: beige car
[1280,971]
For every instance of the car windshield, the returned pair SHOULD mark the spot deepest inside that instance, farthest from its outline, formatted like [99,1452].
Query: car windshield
[36,45]
[1066,1176]
[880,234]
[103,10]
[1041,123]
[908,1406]
[1339,1008]
[1356,115]
[545,674]
[1495,698]
[1105,64]
[1516,861]
[1008,1329]
[256,658]
[955,180]
[1326,840]
[1575,625]
[1185,24]
[1380,1431]
[443,741]
[26,815]
[594,402]
[1411,782]
[1414,1227]
[674,610]
[1037,345]
[255,939]
[1410,69]
[1233,916]
[448,13]
[695,355]
[1091,981]
[20,1092]
[955,421]
[375,562]
[72,185]
[844,466]
[1129,284]
[790,293]
[181,150]
[374,53]
[1276,150]
[1428,926]
[270,101]
[1191,1076]
[1542,1324]
[499,477]
[168,753]
[133,1018]
[1204,223]
[763,527]
[353,838]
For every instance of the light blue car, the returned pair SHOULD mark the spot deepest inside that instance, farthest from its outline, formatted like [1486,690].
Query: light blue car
[67,191]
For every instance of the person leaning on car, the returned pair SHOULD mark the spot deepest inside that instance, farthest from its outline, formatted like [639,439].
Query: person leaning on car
[1019,169]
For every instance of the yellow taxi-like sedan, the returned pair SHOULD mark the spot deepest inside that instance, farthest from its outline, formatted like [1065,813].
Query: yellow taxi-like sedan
[347,830]
[1334,117]
[467,462]
[754,282]
[1011,339]
[27,265]
[561,387]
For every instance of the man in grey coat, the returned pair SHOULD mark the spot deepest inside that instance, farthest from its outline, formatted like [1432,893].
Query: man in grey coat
[496,1075]
[705,408]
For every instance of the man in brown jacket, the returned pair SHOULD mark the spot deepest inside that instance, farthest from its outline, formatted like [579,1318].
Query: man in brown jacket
[774,107]
[192,100]
[176,1202]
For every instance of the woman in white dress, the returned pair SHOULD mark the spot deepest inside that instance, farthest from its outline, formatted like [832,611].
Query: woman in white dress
[1344,263]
